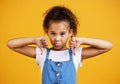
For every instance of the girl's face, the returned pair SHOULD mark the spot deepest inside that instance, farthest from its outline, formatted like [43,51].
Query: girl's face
[58,33]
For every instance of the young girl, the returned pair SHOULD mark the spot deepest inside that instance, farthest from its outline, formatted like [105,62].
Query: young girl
[59,63]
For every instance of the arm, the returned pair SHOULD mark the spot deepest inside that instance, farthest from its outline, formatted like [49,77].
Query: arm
[21,45]
[96,46]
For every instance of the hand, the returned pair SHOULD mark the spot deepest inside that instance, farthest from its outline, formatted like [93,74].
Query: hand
[75,43]
[41,43]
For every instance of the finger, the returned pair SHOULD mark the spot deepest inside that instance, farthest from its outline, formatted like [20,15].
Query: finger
[39,44]
[41,47]
[45,46]
[73,39]
[42,50]
[71,44]
[74,51]
[45,43]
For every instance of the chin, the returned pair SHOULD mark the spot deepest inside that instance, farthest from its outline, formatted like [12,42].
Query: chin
[58,48]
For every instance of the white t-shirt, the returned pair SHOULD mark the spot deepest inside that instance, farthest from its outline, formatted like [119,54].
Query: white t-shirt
[58,56]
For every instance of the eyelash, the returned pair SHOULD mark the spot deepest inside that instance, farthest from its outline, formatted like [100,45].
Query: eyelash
[60,34]
[53,33]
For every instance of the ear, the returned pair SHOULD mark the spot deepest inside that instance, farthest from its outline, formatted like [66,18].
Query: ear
[70,33]
[46,31]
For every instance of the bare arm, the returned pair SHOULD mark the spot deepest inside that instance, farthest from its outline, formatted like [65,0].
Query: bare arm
[96,46]
[21,45]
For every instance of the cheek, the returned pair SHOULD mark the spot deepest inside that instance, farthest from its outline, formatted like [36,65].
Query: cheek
[51,40]
[66,36]
[50,36]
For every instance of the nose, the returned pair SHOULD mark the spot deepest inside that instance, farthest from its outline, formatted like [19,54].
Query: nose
[57,38]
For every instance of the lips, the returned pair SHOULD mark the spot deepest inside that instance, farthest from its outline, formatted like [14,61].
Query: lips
[57,44]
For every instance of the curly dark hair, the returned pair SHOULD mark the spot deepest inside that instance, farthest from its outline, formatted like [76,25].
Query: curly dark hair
[60,13]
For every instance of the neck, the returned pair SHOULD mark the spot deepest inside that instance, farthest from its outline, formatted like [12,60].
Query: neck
[61,49]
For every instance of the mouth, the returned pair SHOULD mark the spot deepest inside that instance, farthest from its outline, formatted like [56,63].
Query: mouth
[57,44]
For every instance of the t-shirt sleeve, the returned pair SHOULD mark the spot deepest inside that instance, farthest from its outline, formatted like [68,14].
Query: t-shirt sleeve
[40,58]
[80,57]
[37,55]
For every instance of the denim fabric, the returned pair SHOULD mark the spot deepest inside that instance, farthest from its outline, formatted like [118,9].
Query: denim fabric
[59,72]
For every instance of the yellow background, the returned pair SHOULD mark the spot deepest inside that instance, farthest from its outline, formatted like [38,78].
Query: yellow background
[23,18]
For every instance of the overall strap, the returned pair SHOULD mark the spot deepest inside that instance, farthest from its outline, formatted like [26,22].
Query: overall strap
[47,54]
[70,54]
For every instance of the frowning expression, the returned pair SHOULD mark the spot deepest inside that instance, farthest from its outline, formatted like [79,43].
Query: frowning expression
[58,33]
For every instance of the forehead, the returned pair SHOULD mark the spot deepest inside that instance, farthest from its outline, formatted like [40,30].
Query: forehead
[59,26]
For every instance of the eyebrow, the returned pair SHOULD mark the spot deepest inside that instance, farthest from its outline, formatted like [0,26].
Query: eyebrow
[60,31]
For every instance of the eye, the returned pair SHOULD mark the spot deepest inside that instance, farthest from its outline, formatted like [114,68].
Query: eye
[63,33]
[52,33]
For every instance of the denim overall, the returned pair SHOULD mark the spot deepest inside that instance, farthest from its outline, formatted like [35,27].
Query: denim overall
[59,72]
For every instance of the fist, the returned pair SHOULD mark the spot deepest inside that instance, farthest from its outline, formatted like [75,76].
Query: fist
[74,43]
[41,43]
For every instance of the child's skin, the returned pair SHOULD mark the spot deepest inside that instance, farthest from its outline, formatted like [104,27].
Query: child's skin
[59,33]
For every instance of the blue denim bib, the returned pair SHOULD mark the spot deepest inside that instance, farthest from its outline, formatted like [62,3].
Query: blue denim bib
[59,72]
